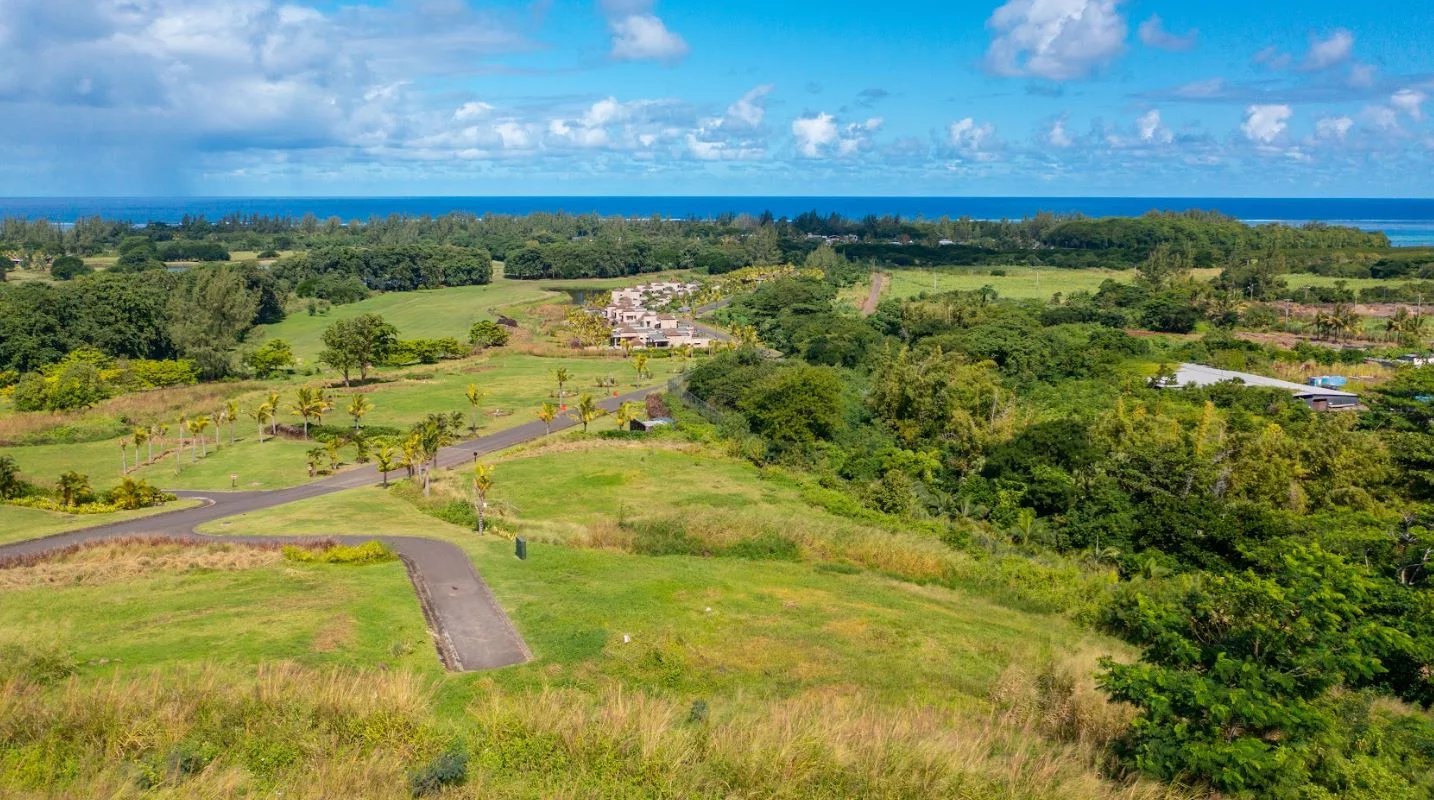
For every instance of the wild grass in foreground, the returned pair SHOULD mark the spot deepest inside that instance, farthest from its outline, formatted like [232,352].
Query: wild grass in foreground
[325,733]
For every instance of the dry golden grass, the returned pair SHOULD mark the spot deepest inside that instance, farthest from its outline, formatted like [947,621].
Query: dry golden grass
[109,562]
[158,405]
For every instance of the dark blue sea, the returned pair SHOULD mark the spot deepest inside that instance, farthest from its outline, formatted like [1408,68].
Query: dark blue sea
[1407,222]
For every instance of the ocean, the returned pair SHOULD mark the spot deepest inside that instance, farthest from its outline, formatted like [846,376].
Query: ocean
[1407,222]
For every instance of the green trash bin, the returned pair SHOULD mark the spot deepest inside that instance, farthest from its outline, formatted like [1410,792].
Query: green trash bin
[520,549]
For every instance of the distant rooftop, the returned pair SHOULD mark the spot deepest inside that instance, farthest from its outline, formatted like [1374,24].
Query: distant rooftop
[1201,375]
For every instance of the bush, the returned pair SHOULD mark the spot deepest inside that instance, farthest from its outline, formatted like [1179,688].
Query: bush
[42,666]
[486,333]
[68,268]
[374,552]
[449,769]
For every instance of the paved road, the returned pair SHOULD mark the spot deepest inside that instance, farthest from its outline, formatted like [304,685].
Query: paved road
[469,628]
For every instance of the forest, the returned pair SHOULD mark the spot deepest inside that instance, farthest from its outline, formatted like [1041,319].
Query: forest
[1274,562]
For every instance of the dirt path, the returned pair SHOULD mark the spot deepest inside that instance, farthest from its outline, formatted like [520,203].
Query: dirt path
[469,628]
[879,282]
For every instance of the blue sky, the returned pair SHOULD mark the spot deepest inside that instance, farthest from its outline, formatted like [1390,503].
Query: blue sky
[906,97]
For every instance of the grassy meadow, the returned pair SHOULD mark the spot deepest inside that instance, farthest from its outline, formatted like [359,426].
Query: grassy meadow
[17,524]
[794,674]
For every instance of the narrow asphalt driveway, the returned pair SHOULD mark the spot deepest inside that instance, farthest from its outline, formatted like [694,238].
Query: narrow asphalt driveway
[469,628]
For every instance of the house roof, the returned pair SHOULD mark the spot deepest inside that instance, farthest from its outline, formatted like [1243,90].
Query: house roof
[1201,375]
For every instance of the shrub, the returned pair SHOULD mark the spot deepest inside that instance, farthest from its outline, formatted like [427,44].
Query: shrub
[449,769]
[374,552]
[486,333]
[40,666]
[69,267]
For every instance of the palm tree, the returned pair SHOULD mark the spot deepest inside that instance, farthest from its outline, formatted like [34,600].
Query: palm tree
[482,484]
[627,412]
[197,427]
[587,410]
[547,412]
[140,436]
[639,363]
[331,449]
[684,357]
[261,414]
[315,455]
[359,406]
[231,413]
[475,396]
[124,457]
[627,345]
[157,431]
[411,453]
[218,421]
[383,459]
[309,404]
[273,402]
[183,425]
[72,486]
[562,376]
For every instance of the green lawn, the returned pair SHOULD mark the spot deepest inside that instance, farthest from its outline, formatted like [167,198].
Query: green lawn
[1018,282]
[427,314]
[317,614]
[17,524]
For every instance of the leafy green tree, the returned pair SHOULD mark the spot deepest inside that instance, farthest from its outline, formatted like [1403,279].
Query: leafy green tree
[357,344]
[795,406]
[626,413]
[131,494]
[11,486]
[486,333]
[1235,673]
[272,358]
[67,268]
[211,310]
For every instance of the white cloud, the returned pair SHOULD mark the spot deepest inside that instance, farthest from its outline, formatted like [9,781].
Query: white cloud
[966,134]
[750,108]
[471,111]
[1330,51]
[1055,39]
[1336,128]
[640,35]
[1381,118]
[1150,128]
[513,136]
[1264,123]
[815,135]
[1409,101]
[1361,76]
[1057,136]
[1153,33]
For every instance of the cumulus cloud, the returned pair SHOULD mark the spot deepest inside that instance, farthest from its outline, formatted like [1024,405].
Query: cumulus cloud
[1153,34]
[1265,123]
[1055,39]
[820,134]
[1409,101]
[1333,128]
[1058,136]
[967,134]
[735,135]
[1151,130]
[1329,51]
[638,34]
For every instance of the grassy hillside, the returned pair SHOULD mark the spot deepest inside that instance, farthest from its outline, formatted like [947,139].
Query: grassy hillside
[654,675]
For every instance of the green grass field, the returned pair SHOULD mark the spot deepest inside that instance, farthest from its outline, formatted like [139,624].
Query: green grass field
[427,314]
[1017,283]
[17,524]
[623,643]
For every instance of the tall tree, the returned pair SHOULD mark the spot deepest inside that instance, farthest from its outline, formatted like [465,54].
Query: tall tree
[210,311]
[357,408]
[587,411]
[475,396]
[357,344]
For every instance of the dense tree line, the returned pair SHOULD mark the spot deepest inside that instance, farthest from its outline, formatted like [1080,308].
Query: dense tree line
[201,314]
[1275,562]
[564,245]
[392,268]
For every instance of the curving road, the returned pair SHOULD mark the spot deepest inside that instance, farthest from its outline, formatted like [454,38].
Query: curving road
[470,630]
